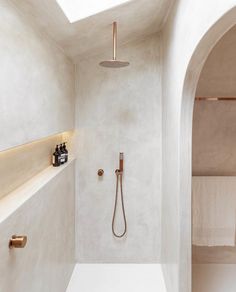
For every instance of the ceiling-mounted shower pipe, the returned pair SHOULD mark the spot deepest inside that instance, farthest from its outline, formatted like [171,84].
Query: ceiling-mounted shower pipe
[114,37]
[114,63]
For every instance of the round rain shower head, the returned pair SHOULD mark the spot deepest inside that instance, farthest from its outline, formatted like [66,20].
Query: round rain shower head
[114,63]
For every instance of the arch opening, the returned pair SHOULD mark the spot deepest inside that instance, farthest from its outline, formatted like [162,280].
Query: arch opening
[214,171]
[198,59]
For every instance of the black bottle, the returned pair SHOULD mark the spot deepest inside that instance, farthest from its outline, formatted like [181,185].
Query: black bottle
[56,157]
[63,154]
[65,151]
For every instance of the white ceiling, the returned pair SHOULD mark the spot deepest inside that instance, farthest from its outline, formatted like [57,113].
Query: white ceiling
[136,19]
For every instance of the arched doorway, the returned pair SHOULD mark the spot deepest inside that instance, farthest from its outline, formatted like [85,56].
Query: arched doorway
[211,37]
[214,171]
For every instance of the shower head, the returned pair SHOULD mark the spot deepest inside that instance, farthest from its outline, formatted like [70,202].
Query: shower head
[114,63]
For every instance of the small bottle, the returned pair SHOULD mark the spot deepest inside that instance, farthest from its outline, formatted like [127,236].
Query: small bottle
[56,161]
[65,152]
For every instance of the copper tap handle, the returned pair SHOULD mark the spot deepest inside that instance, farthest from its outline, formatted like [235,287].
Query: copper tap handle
[100,172]
[18,241]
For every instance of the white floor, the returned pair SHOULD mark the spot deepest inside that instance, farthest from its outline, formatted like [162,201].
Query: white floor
[214,278]
[117,278]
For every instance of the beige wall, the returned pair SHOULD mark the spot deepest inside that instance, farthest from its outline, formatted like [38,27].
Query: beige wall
[36,82]
[218,74]
[37,92]
[214,138]
[120,111]
[43,209]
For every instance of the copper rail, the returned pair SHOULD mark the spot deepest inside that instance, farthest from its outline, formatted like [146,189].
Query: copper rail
[211,98]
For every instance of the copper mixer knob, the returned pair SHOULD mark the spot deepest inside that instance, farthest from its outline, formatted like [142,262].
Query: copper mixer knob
[100,172]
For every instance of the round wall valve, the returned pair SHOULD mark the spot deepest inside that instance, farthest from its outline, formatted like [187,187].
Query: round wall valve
[18,241]
[100,172]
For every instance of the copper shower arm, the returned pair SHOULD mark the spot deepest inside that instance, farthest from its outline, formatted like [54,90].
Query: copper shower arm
[114,36]
[114,63]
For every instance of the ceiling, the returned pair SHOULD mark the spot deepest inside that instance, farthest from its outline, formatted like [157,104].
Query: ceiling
[79,9]
[136,19]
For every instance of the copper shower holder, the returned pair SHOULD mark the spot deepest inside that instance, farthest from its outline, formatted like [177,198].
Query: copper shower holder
[118,172]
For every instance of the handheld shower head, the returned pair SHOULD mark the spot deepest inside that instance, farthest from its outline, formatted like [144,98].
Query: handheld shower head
[114,63]
[121,161]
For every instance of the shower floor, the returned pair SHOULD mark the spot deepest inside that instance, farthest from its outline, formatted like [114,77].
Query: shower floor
[117,278]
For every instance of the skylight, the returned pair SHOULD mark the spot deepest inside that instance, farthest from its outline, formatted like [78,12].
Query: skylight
[79,9]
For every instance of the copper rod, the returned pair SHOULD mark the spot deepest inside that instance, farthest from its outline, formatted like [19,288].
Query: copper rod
[215,175]
[211,98]
[114,40]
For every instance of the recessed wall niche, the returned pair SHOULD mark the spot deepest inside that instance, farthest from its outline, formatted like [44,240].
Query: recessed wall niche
[19,164]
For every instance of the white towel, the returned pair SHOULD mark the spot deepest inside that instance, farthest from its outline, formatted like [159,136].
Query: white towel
[214,210]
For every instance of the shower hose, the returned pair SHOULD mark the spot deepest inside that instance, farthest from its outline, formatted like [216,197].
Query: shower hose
[119,177]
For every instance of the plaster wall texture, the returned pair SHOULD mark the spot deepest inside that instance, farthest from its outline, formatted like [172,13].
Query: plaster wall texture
[120,111]
[218,74]
[214,138]
[37,100]
[42,209]
[36,82]
[185,49]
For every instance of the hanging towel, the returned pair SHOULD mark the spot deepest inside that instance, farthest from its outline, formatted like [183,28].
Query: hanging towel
[214,210]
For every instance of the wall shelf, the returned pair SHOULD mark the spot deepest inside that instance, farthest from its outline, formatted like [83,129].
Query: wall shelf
[11,202]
